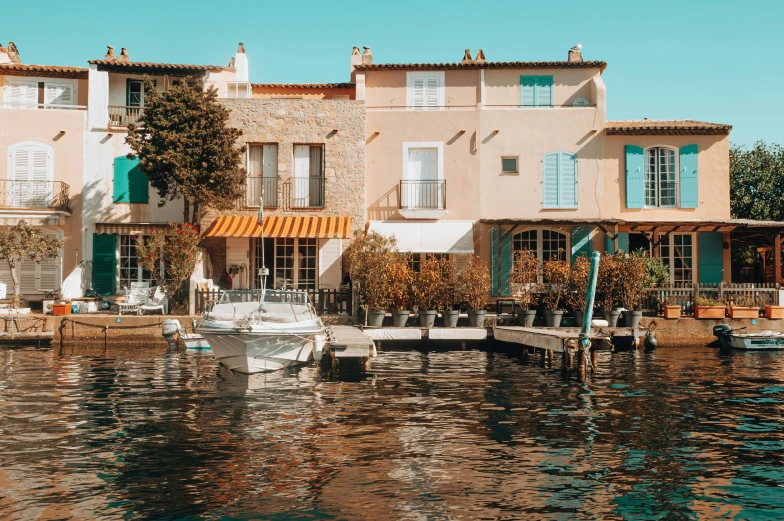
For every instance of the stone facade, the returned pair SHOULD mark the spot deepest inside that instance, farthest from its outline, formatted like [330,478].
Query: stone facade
[337,124]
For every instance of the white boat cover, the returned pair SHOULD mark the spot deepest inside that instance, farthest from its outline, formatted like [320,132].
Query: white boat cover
[429,237]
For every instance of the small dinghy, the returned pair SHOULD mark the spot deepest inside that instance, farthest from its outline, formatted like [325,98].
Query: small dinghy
[761,341]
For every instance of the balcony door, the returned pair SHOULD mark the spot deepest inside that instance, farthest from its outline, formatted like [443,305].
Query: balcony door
[421,189]
[262,182]
[308,176]
[30,176]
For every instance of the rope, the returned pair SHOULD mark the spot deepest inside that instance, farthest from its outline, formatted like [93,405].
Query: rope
[107,326]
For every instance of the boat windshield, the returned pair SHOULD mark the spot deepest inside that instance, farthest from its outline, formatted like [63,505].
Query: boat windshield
[233,296]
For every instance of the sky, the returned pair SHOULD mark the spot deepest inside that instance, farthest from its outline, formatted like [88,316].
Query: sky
[716,61]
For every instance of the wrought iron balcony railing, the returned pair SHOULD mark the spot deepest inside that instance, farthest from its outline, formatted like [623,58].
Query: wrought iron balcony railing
[430,195]
[256,187]
[307,192]
[123,115]
[34,194]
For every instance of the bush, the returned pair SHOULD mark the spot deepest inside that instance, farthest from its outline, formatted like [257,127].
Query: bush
[475,283]
[525,277]
[427,287]
[369,255]
[578,283]
[399,279]
[556,274]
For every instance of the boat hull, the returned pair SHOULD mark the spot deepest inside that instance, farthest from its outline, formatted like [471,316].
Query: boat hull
[756,343]
[260,352]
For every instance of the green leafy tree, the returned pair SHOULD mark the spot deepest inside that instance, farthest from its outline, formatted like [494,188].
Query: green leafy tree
[186,150]
[22,241]
[757,182]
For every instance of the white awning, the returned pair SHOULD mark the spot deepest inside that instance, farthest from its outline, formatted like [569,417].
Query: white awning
[431,237]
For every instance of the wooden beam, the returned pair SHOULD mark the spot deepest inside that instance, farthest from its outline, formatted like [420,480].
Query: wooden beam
[777,258]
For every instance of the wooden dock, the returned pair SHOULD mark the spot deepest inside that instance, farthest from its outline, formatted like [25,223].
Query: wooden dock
[433,333]
[557,340]
[350,342]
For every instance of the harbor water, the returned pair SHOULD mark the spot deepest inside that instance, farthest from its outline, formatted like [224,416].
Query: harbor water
[145,433]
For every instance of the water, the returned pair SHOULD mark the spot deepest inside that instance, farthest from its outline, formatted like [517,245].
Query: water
[139,433]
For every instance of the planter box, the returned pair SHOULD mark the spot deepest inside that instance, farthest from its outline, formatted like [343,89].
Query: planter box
[671,312]
[774,312]
[61,309]
[736,312]
[708,312]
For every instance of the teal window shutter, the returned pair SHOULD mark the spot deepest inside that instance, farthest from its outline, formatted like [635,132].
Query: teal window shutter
[130,183]
[506,264]
[635,179]
[567,180]
[550,181]
[623,243]
[104,263]
[544,91]
[581,241]
[711,257]
[494,261]
[528,91]
[688,165]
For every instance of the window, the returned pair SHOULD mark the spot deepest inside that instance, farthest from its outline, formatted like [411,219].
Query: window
[262,182]
[509,165]
[35,277]
[425,90]
[22,93]
[536,91]
[30,171]
[546,243]
[416,259]
[238,89]
[423,189]
[130,183]
[130,270]
[58,94]
[308,176]
[559,180]
[135,93]
[295,263]
[677,252]
[661,177]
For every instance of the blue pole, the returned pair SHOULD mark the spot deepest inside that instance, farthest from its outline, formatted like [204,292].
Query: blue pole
[593,274]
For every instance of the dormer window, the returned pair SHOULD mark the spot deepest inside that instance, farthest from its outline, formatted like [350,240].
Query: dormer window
[425,90]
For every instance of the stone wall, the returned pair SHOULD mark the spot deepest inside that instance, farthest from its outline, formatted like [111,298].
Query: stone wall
[337,124]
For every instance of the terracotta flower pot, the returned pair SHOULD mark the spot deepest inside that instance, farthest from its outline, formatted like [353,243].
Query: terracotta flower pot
[709,312]
[738,312]
[671,312]
[774,312]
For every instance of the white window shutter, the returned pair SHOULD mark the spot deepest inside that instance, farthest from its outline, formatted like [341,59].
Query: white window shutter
[431,92]
[418,98]
[47,279]
[21,164]
[24,93]
[27,277]
[58,94]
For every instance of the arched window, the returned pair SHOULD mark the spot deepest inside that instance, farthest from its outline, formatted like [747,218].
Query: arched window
[30,170]
[661,177]
[546,243]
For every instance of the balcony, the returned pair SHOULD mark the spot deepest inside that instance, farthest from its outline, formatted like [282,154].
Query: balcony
[52,195]
[123,115]
[257,187]
[307,192]
[423,199]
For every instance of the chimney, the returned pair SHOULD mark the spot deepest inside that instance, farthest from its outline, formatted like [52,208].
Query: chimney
[467,57]
[356,59]
[480,57]
[367,56]
[575,55]
[109,54]
[123,56]
[241,64]
[13,53]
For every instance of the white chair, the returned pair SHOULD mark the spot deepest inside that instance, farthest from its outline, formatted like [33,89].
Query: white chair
[135,297]
[159,301]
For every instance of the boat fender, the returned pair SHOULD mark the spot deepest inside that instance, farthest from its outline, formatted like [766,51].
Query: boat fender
[319,341]
[650,341]
[599,322]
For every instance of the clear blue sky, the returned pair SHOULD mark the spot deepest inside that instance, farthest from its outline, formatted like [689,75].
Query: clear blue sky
[715,61]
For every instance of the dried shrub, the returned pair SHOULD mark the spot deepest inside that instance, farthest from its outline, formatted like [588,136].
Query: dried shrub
[742,300]
[427,284]
[399,279]
[578,283]
[608,278]
[369,255]
[450,294]
[475,283]
[525,277]
[633,280]
[556,274]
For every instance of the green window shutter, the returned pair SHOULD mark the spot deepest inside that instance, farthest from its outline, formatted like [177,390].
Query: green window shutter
[711,257]
[688,165]
[550,181]
[527,91]
[104,263]
[635,181]
[544,91]
[506,264]
[581,241]
[494,261]
[130,183]
[623,243]
[567,180]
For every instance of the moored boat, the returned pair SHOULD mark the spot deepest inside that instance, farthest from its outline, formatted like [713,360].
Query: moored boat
[761,341]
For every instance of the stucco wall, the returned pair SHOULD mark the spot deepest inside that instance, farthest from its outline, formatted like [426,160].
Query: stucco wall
[387,89]
[502,86]
[713,178]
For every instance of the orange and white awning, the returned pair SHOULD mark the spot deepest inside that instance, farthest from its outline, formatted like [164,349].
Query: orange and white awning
[289,226]
[129,228]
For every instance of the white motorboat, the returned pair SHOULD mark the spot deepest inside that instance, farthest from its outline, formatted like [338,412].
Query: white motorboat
[281,329]
[758,341]
[176,335]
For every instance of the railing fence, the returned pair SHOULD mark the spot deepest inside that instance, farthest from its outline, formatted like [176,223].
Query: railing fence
[760,294]
[325,301]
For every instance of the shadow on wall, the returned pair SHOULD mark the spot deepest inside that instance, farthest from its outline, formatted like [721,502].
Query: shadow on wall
[386,206]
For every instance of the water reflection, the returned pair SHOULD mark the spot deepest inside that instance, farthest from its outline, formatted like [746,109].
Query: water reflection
[465,434]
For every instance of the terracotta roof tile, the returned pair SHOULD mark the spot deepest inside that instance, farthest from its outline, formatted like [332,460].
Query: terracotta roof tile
[484,65]
[304,85]
[54,71]
[678,127]
[131,66]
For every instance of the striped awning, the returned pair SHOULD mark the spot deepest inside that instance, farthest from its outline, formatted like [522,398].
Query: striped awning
[288,226]
[129,228]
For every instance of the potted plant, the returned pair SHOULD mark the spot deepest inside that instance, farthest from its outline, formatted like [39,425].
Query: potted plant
[772,311]
[578,287]
[450,295]
[607,284]
[708,308]
[743,306]
[475,285]
[672,308]
[556,273]
[525,282]
[632,283]
[426,288]
[369,254]
[400,277]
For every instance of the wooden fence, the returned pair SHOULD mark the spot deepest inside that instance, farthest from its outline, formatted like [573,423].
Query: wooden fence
[325,301]
[761,294]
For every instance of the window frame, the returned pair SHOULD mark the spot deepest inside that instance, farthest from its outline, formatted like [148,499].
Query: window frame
[668,260]
[55,84]
[537,78]
[413,75]
[676,180]
[567,238]
[559,180]
[517,165]
[295,269]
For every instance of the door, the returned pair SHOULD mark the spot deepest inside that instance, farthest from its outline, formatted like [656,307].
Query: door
[315,187]
[421,189]
[301,176]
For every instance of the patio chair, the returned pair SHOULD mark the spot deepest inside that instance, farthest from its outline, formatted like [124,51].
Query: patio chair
[135,297]
[158,301]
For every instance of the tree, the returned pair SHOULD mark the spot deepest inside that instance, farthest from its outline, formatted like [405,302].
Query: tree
[171,256]
[22,241]
[757,182]
[186,150]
